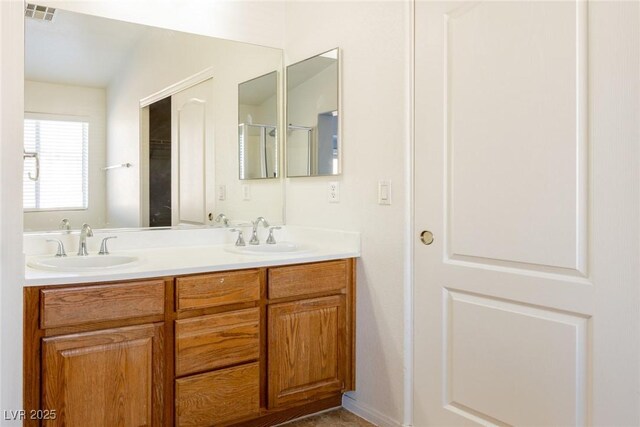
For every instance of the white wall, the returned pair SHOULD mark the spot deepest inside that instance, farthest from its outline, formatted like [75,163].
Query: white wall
[11,258]
[258,22]
[157,63]
[375,41]
[49,98]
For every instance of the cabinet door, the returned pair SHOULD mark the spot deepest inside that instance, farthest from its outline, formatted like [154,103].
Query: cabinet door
[307,344]
[105,378]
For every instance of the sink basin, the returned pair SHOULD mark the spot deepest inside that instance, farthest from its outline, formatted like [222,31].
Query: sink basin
[279,248]
[81,263]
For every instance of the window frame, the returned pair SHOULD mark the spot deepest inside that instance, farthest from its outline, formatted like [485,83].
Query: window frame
[32,115]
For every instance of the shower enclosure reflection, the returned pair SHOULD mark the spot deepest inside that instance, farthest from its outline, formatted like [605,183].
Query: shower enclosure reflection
[257,127]
[313,146]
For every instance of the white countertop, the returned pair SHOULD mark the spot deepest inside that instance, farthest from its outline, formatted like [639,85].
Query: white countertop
[179,259]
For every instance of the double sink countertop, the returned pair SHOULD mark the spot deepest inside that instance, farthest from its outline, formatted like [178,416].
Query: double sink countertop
[178,252]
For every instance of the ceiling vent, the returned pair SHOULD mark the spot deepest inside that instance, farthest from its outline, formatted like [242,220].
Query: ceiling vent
[41,13]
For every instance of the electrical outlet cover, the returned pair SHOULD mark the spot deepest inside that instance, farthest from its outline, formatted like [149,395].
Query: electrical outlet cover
[333,192]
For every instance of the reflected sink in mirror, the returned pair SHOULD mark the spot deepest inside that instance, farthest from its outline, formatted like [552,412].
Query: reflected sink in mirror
[280,248]
[81,263]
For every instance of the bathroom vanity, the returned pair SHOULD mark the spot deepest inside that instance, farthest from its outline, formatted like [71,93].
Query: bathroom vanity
[248,346]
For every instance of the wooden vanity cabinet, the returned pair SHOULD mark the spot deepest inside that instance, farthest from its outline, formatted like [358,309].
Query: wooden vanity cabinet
[253,347]
[218,342]
[95,354]
[310,333]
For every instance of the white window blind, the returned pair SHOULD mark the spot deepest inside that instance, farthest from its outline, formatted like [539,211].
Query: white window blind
[63,147]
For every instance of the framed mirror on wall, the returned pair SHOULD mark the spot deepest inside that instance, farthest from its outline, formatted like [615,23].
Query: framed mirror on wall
[258,137]
[313,117]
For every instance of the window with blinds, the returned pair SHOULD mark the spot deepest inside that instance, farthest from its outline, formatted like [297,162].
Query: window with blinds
[63,147]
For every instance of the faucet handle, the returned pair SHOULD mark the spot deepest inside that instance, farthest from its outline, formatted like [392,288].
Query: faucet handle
[103,246]
[240,240]
[272,240]
[60,252]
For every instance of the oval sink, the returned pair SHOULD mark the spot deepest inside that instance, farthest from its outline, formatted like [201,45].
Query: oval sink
[81,263]
[275,249]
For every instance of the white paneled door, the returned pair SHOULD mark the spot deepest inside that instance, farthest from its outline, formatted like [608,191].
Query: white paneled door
[192,168]
[527,302]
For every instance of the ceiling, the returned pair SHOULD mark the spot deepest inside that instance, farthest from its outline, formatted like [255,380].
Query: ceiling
[78,49]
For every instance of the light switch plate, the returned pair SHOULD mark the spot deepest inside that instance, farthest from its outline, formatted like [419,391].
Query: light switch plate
[222,192]
[333,192]
[384,192]
[246,192]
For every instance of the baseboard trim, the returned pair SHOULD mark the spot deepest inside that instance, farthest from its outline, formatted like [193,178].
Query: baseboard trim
[368,413]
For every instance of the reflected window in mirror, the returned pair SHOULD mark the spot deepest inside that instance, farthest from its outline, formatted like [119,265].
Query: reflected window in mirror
[55,173]
[257,127]
[313,141]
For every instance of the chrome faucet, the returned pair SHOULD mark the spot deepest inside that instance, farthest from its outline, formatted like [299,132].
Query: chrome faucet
[85,232]
[254,233]
[65,225]
[222,217]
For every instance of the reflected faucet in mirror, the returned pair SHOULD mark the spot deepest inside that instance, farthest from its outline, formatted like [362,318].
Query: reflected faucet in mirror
[222,218]
[65,225]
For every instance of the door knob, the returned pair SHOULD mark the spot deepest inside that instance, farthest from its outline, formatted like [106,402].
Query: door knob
[426,237]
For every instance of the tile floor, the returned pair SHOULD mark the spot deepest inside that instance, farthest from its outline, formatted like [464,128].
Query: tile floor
[335,418]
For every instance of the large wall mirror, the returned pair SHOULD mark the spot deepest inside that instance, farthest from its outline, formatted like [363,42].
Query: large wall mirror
[313,142]
[258,127]
[122,141]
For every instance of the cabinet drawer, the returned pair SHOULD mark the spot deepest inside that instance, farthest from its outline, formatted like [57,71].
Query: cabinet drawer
[218,397]
[211,290]
[307,279]
[209,342]
[88,304]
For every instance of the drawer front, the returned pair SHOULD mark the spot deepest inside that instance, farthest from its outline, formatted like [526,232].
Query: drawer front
[218,397]
[88,304]
[307,279]
[209,342]
[211,290]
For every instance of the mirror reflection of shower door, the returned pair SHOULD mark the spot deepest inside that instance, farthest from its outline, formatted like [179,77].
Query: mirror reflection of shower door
[193,166]
[300,157]
[258,151]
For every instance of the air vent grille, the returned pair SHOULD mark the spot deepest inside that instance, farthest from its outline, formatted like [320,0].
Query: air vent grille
[41,13]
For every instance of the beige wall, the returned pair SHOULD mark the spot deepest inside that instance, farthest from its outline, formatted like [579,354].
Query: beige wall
[374,40]
[11,257]
[48,98]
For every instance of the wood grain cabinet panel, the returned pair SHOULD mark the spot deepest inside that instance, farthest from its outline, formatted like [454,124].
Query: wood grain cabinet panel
[217,340]
[88,304]
[218,397]
[212,290]
[306,351]
[105,378]
[307,279]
